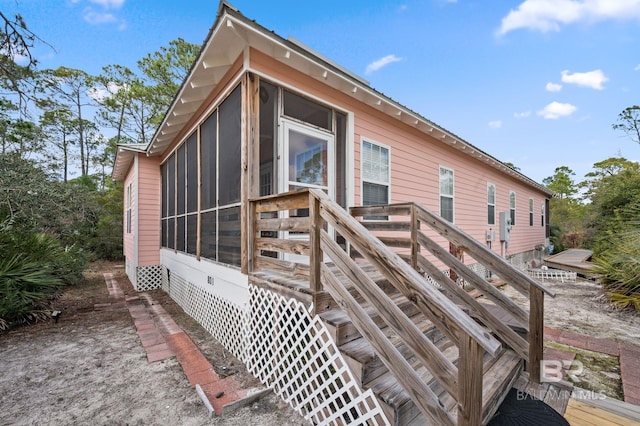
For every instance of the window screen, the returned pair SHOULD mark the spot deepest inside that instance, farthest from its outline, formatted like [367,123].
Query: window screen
[306,110]
[208,142]
[192,173]
[512,207]
[530,211]
[192,233]
[446,193]
[171,185]
[181,183]
[229,236]
[375,176]
[208,246]
[229,149]
[491,204]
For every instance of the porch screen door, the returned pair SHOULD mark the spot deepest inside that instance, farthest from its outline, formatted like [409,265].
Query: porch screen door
[307,161]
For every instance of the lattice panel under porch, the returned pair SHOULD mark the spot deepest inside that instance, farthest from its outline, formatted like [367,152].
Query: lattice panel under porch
[293,353]
[225,321]
[148,277]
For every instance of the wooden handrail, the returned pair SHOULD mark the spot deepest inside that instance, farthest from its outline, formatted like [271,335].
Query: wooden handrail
[425,350]
[447,316]
[462,382]
[500,266]
[532,289]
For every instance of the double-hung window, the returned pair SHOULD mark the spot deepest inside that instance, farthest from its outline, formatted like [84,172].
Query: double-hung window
[375,175]
[129,202]
[530,211]
[446,193]
[491,204]
[512,207]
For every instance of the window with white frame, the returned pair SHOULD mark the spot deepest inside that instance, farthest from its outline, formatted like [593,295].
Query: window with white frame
[491,204]
[375,175]
[512,207]
[530,211]
[542,215]
[446,193]
[129,199]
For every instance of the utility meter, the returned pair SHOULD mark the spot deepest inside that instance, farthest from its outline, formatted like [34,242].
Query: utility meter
[505,226]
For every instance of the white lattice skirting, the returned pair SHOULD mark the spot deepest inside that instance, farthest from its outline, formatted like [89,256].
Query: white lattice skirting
[148,277]
[289,350]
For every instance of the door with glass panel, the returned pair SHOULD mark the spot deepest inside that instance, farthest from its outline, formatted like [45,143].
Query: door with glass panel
[307,160]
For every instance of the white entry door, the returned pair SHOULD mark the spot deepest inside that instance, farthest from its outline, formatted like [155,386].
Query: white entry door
[307,160]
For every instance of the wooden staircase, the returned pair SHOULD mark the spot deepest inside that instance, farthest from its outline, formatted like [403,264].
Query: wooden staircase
[431,353]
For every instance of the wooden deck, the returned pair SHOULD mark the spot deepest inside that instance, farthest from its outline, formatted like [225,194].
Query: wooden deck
[575,260]
[606,412]
[431,352]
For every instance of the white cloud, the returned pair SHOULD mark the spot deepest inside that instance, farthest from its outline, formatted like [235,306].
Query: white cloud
[496,124]
[98,94]
[96,18]
[379,63]
[556,110]
[637,68]
[523,114]
[109,4]
[593,79]
[553,87]
[550,15]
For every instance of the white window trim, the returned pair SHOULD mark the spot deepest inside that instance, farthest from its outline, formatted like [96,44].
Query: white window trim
[532,215]
[129,219]
[514,208]
[364,139]
[453,196]
[495,196]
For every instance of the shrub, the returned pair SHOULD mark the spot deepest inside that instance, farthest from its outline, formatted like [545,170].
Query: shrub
[32,267]
[619,270]
[25,288]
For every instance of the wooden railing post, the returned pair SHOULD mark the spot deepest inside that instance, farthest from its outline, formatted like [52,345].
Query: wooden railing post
[469,381]
[315,256]
[415,246]
[251,238]
[536,332]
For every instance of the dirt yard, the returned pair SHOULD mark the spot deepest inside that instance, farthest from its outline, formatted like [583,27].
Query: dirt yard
[90,368]
[580,307]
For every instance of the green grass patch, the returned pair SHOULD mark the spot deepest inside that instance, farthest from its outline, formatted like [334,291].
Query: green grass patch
[599,373]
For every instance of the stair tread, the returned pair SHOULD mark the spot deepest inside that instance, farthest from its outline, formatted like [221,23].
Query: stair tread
[497,371]
[361,350]
[337,317]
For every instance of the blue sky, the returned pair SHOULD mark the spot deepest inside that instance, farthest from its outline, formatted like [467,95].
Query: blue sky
[538,83]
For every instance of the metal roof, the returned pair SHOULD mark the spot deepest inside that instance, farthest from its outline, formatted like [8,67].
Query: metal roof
[124,157]
[230,36]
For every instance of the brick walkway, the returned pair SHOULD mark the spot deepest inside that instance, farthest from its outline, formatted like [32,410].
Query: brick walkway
[628,353]
[162,338]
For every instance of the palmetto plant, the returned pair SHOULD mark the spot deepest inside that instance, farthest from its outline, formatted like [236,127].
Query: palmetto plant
[619,270]
[25,288]
[33,266]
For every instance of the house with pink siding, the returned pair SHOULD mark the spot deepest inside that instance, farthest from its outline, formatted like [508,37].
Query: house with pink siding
[260,116]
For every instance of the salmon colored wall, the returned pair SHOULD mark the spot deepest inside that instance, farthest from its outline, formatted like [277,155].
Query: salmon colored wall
[199,116]
[415,161]
[144,177]
[129,238]
[149,187]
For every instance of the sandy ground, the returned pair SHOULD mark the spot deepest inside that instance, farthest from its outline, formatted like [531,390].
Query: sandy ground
[90,368]
[580,307]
